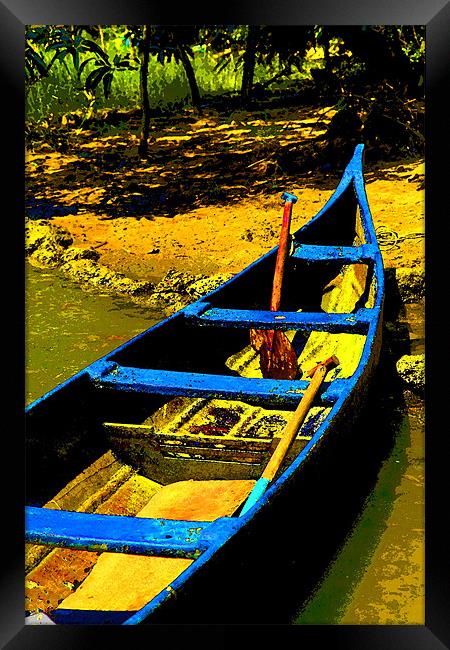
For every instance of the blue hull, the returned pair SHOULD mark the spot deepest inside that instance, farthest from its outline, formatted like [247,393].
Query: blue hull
[184,358]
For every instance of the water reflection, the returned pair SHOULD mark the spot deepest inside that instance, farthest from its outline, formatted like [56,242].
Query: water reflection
[67,328]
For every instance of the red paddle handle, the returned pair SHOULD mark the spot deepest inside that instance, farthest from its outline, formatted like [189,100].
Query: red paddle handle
[283,249]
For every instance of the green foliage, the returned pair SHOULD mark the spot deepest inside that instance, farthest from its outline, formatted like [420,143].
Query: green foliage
[412,41]
[36,66]
[60,91]
[279,49]
[77,54]
[69,67]
[73,63]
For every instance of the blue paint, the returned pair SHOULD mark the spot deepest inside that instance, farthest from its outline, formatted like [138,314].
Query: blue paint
[171,382]
[357,322]
[286,196]
[254,496]
[196,309]
[342,254]
[89,617]
[124,534]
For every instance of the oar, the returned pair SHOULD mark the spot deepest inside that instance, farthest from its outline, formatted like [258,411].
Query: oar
[277,356]
[318,375]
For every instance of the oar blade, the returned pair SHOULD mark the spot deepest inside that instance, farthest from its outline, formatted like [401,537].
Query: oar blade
[257,339]
[278,359]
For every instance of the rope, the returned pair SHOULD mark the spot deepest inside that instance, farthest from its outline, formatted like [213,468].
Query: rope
[389,239]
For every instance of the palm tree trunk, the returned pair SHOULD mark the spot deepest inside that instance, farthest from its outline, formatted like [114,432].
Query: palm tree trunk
[190,74]
[143,144]
[249,65]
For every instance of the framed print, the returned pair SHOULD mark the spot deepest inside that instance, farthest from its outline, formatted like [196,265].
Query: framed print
[192,180]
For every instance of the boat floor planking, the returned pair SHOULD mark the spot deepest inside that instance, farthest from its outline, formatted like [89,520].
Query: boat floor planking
[108,486]
[51,583]
[108,583]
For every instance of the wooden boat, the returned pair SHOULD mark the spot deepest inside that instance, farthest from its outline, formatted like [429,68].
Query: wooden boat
[139,465]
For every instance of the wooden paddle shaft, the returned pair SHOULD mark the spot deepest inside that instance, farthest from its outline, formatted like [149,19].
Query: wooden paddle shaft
[283,250]
[295,423]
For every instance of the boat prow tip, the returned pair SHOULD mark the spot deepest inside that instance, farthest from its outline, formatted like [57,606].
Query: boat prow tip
[357,160]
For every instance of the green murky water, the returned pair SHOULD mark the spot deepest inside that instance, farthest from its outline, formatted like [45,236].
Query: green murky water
[67,328]
[377,576]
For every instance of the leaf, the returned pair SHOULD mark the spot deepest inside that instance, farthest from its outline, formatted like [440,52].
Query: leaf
[107,81]
[94,77]
[37,61]
[60,56]
[56,46]
[75,58]
[89,95]
[221,65]
[90,46]
[85,62]
[126,65]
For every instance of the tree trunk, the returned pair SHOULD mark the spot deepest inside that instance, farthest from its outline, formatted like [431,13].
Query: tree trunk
[249,65]
[102,37]
[143,144]
[326,52]
[190,74]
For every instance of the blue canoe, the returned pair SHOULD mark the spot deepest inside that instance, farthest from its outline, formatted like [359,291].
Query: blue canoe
[138,466]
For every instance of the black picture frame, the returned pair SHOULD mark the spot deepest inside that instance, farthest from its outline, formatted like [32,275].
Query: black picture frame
[435,14]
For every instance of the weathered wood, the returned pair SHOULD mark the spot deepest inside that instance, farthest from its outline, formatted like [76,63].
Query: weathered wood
[283,251]
[194,440]
[298,418]
[171,382]
[290,432]
[211,453]
[56,571]
[143,442]
[107,588]
[84,493]
[278,359]
[283,320]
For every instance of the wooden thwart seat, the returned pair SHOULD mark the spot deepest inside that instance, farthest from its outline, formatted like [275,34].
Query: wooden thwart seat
[108,374]
[357,323]
[342,254]
[247,450]
[168,457]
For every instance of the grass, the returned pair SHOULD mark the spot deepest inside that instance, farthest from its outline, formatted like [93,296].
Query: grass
[61,92]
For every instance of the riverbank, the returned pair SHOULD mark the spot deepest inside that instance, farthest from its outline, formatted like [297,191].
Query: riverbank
[224,238]
[166,263]
[132,255]
[206,200]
